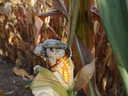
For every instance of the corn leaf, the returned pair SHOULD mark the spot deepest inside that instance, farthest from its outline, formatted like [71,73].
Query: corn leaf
[83,51]
[26,13]
[82,24]
[114,16]
[61,7]
[37,27]
[53,13]
[73,20]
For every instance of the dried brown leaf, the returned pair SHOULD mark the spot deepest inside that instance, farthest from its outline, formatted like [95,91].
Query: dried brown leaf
[61,7]
[21,72]
[95,12]
[9,93]
[3,9]
[84,75]
[13,1]
[37,27]
[18,61]
[105,63]
[25,12]
[94,9]
[8,7]
[84,53]
[91,35]
[20,38]
[54,13]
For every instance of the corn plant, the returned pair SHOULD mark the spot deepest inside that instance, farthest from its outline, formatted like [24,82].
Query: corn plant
[27,24]
[115,26]
[59,82]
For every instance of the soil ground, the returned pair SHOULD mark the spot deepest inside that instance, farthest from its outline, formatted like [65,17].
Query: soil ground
[12,85]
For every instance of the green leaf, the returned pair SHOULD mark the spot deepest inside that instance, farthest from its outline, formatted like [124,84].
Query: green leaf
[27,83]
[71,29]
[114,16]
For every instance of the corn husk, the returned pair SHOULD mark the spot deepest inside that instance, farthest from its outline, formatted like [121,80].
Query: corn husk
[84,75]
[46,82]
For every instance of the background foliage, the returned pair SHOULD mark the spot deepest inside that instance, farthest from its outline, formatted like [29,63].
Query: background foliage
[26,23]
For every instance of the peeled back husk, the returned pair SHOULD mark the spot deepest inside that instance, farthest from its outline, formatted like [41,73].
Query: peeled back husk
[84,75]
[46,82]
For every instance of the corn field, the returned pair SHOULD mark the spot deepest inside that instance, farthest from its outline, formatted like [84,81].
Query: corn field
[92,28]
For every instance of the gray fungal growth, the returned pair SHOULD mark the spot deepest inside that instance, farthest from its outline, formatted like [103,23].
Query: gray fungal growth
[52,50]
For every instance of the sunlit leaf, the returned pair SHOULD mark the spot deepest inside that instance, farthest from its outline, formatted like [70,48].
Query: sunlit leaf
[84,75]
[37,27]
[8,7]
[2,8]
[33,3]
[21,72]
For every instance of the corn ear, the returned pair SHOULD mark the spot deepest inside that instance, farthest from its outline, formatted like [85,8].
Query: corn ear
[46,82]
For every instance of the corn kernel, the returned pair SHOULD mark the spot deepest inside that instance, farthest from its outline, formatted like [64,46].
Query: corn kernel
[65,75]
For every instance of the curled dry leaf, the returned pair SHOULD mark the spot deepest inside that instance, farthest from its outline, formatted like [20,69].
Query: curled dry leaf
[53,13]
[12,35]
[33,3]
[8,7]
[13,1]
[21,72]
[9,93]
[94,9]
[4,11]
[84,75]
[37,27]
[25,12]
[61,7]
[18,61]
